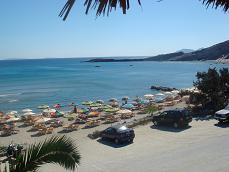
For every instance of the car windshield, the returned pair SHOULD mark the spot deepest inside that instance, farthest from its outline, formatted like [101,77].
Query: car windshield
[227,107]
[122,128]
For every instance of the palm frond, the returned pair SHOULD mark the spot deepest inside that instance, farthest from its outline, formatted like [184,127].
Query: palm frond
[151,109]
[58,150]
[217,3]
[3,149]
[105,6]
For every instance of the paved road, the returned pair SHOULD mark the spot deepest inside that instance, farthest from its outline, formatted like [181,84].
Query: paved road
[201,148]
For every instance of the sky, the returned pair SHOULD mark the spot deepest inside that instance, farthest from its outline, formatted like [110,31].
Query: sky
[32,29]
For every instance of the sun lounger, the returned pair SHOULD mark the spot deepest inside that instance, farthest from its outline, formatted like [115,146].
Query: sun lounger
[92,123]
[70,127]
[42,131]
[45,130]
[38,126]
[49,130]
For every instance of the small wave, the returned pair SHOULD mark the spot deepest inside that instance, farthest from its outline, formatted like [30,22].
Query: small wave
[11,101]
[8,95]
[40,91]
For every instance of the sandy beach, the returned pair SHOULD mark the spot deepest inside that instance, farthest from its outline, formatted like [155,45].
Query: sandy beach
[201,147]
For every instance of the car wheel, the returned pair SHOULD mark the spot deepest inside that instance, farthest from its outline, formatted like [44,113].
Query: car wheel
[116,141]
[175,125]
[221,121]
[155,122]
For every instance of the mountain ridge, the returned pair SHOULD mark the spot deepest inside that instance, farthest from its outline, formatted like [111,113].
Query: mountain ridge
[213,52]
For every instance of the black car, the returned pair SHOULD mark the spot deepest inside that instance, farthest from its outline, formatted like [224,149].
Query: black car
[118,134]
[222,115]
[177,118]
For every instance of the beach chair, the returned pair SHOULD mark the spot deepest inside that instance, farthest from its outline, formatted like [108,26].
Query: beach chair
[37,126]
[49,130]
[56,124]
[42,131]
[28,122]
[92,123]
[70,127]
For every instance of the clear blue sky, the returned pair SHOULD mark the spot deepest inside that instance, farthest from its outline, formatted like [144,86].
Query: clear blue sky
[32,29]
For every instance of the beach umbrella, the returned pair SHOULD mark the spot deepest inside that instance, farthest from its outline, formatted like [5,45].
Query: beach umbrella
[43,107]
[113,100]
[113,103]
[160,94]
[57,106]
[12,113]
[134,103]
[196,91]
[128,106]
[168,93]
[124,111]
[100,101]
[149,96]
[125,98]
[1,113]
[28,113]
[106,106]
[73,114]
[43,120]
[49,110]
[87,103]
[137,99]
[95,108]
[144,102]
[27,110]
[12,120]
[83,110]
[175,91]
[59,113]
[71,104]
[95,105]
[111,110]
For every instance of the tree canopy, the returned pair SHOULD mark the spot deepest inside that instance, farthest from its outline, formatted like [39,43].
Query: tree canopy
[105,6]
[214,87]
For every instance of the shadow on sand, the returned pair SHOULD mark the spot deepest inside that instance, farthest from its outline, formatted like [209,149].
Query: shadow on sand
[169,128]
[23,126]
[222,124]
[112,144]
[65,131]
[203,118]
[36,135]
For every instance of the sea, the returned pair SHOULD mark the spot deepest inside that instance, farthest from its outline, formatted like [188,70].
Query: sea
[34,82]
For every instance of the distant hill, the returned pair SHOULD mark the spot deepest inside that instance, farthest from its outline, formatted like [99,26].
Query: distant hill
[186,50]
[164,57]
[211,53]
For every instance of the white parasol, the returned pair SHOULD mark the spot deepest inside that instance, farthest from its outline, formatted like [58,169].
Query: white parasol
[27,110]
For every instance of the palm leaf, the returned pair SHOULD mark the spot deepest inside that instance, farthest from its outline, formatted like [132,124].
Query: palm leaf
[104,6]
[58,150]
[3,150]
[151,109]
[217,3]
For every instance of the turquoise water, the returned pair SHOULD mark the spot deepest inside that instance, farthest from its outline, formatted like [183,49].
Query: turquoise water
[29,83]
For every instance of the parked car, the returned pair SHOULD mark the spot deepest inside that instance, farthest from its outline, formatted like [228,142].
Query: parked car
[222,115]
[118,134]
[177,118]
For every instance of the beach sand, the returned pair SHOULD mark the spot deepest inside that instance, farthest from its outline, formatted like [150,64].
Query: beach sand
[202,147]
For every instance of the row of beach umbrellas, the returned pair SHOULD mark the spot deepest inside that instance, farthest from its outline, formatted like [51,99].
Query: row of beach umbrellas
[47,109]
